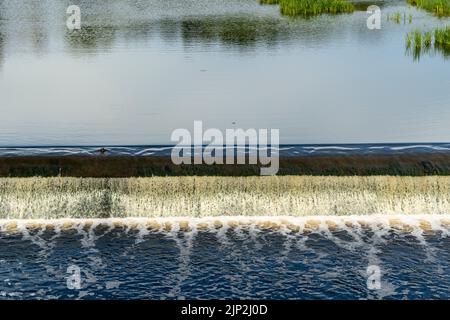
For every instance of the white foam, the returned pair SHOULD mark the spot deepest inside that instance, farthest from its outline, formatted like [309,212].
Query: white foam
[437,222]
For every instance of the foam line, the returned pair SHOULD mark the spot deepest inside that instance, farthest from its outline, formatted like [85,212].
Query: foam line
[412,224]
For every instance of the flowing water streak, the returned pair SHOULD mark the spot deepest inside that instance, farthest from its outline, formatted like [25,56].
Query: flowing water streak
[184,243]
[87,231]
[226,248]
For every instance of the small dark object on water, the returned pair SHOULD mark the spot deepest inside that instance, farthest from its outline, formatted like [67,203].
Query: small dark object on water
[102,150]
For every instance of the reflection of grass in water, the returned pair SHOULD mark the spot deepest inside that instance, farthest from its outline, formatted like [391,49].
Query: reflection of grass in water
[239,31]
[418,43]
[91,37]
[215,196]
[438,7]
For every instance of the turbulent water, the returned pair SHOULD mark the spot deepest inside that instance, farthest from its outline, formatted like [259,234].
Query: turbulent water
[209,255]
[226,257]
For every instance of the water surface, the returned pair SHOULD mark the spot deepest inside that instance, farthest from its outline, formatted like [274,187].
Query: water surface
[139,69]
[129,261]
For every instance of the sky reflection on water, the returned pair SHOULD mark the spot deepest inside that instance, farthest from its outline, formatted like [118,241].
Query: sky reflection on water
[140,69]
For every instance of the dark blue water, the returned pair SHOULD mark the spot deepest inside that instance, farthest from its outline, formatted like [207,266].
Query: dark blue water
[121,263]
[284,150]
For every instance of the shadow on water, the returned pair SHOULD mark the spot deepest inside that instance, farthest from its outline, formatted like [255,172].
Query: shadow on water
[230,32]
[234,31]
[90,37]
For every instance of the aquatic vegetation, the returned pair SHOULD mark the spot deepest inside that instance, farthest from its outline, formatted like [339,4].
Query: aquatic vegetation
[28,198]
[314,7]
[419,42]
[409,40]
[307,8]
[439,8]
[417,36]
[427,39]
[414,44]
[442,38]
[398,17]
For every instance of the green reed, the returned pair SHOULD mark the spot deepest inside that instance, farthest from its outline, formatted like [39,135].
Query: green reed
[442,37]
[417,37]
[427,39]
[398,17]
[419,42]
[439,8]
[314,7]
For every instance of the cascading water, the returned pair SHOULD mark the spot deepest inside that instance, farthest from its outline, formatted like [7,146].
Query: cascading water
[50,198]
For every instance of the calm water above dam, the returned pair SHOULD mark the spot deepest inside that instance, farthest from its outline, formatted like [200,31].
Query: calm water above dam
[140,69]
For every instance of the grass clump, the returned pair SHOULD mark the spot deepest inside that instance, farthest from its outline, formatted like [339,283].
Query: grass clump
[415,44]
[419,42]
[427,39]
[439,8]
[398,17]
[417,36]
[308,8]
[442,37]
